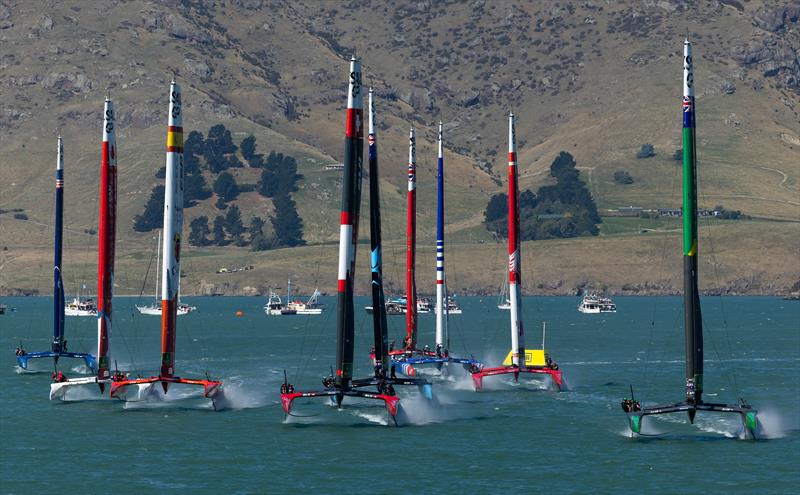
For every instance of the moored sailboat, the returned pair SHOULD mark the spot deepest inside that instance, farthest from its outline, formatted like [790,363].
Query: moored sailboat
[171,267]
[521,360]
[154,309]
[59,345]
[693,323]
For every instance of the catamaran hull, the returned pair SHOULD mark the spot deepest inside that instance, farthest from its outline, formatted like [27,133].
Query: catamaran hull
[144,389]
[477,377]
[748,416]
[59,390]
[89,359]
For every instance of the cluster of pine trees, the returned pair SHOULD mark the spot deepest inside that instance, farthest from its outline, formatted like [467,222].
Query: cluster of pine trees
[211,157]
[565,209]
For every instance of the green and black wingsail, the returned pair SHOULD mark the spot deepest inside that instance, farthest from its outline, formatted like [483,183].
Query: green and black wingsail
[693,323]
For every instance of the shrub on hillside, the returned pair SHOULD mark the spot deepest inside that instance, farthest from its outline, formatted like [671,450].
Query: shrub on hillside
[622,177]
[646,152]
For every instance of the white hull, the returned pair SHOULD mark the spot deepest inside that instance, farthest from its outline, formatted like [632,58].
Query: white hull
[156,310]
[275,306]
[59,390]
[313,311]
[292,312]
[593,304]
[453,312]
[79,312]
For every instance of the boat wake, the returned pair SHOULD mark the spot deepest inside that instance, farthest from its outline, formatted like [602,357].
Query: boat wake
[235,395]
[151,396]
[774,424]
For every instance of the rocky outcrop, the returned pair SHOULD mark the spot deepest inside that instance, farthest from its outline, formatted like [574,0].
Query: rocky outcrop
[68,83]
[5,17]
[776,18]
[173,25]
[773,56]
[199,70]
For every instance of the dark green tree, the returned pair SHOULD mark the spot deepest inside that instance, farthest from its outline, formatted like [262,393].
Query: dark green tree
[219,140]
[225,187]
[267,186]
[194,143]
[216,148]
[248,147]
[219,231]
[192,149]
[233,222]
[565,209]
[198,236]
[286,223]
[194,189]
[286,175]
[153,215]
[256,227]
[497,208]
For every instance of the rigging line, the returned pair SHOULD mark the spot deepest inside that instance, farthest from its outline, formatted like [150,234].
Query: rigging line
[306,358]
[729,373]
[146,274]
[203,354]
[307,324]
[660,274]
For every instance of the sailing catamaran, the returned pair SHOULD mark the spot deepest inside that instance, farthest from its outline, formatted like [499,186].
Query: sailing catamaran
[154,309]
[59,346]
[171,268]
[521,360]
[440,355]
[693,323]
[342,384]
[105,262]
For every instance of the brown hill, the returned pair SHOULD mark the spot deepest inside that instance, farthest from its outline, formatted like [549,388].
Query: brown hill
[594,79]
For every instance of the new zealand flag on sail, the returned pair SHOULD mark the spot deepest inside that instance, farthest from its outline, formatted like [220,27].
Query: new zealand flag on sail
[688,111]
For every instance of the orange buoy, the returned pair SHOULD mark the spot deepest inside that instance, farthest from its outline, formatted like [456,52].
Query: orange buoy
[240,313]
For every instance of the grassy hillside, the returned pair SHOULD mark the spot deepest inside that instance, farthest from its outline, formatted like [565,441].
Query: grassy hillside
[595,80]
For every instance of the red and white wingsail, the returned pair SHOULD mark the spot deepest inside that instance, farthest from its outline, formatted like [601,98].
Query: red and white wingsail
[411,245]
[106,243]
[514,258]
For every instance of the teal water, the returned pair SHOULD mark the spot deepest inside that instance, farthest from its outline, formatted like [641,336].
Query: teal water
[510,437]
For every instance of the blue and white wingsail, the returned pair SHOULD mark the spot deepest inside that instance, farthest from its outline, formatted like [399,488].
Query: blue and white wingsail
[59,346]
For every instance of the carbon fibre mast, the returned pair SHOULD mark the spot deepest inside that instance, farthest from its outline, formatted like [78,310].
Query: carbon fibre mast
[411,355]
[520,360]
[59,345]
[105,259]
[342,384]
[171,266]
[693,323]
[381,358]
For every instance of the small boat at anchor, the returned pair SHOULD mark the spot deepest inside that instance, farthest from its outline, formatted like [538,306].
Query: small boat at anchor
[276,307]
[593,303]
